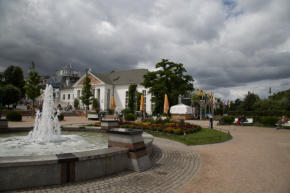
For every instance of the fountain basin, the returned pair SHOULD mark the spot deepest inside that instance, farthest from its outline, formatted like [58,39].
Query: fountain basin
[18,172]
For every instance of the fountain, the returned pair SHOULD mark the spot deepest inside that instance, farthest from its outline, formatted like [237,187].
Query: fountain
[46,126]
[46,138]
[46,156]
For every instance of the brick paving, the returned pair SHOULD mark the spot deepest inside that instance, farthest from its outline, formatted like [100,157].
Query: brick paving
[174,165]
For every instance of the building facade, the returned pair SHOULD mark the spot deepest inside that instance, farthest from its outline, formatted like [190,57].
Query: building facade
[104,86]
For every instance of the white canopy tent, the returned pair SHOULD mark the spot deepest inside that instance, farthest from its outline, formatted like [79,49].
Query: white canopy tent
[181,109]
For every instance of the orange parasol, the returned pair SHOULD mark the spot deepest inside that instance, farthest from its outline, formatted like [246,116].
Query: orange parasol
[166,104]
[142,106]
[112,103]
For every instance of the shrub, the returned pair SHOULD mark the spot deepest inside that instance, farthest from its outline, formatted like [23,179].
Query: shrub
[130,117]
[270,121]
[76,103]
[110,112]
[14,116]
[178,131]
[60,117]
[227,119]
[96,105]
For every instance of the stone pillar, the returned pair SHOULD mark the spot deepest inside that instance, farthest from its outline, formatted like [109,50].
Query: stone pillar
[132,139]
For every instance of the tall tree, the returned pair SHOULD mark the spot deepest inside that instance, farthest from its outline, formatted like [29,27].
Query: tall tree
[14,75]
[11,94]
[168,79]
[32,85]
[132,98]
[87,94]
[250,102]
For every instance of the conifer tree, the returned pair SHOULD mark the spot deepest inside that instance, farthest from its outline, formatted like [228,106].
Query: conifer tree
[86,92]
[32,85]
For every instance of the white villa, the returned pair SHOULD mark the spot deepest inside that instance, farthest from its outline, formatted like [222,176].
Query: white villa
[107,85]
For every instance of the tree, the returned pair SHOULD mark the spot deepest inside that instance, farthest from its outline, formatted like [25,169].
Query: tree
[32,85]
[86,92]
[76,103]
[11,94]
[14,75]
[250,102]
[132,98]
[168,79]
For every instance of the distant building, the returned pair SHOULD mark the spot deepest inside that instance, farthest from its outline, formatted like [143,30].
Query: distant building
[106,85]
[64,79]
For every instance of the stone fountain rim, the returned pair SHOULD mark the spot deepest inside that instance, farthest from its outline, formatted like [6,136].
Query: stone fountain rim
[17,161]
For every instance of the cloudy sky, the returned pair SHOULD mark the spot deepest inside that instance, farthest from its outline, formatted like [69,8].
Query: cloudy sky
[230,47]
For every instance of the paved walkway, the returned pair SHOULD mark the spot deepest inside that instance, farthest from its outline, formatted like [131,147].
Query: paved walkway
[174,166]
[257,160]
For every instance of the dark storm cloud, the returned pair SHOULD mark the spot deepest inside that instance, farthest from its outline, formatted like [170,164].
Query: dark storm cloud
[225,45]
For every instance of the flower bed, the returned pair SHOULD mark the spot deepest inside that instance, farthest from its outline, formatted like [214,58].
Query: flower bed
[170,127]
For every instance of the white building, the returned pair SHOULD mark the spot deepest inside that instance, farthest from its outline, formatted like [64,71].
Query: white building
[104,86]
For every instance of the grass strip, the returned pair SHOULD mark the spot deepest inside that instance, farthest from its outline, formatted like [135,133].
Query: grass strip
[205,136]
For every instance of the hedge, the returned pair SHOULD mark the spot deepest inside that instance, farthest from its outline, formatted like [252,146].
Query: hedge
[227,120]
[130,117]
[270,121]
[14,116]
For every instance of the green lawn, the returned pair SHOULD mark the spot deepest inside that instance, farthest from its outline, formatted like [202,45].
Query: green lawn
[205,136]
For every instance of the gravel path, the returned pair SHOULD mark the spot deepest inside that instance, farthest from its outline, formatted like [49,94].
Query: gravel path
[256,160]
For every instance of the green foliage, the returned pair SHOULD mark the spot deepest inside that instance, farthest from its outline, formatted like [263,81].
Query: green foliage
[96,105]
[10,94]
[86,91]
[227,119]
[170,80]
[127,111]
[33,85]
[269,121]
[130,117]
[132,97]
[14,116]
[276,105]
[250,101]
[76,103]
[14,75]
[110,111]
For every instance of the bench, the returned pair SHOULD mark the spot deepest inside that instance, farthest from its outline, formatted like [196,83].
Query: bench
[249,121]
[287,124]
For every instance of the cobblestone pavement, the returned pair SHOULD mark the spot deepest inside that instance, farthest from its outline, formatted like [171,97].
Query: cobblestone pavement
[174,165]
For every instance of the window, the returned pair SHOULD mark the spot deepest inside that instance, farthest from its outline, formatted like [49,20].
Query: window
[99,94]
[63,97]
[152,102]
[108,98]
[94,94]
[78,93]
[68,96]
[127,99]
[144,95]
